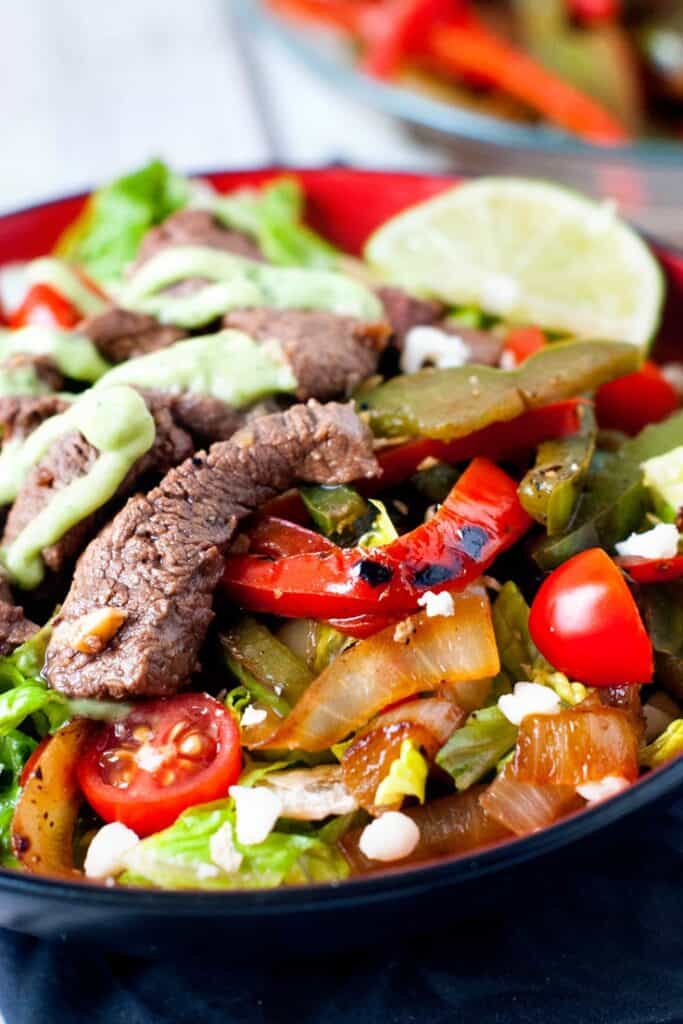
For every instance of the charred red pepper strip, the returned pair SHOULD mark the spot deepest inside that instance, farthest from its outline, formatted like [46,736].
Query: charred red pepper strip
[497,441]
[396,29]
[629,403]
[278,538]
[45,307]
[652,570]
[362,626]
[480,518]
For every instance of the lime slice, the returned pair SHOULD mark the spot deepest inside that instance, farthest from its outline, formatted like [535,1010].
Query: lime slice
[527,251]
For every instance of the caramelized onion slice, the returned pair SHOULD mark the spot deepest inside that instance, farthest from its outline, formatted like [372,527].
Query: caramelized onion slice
[451,825]
[45,815]
[525,807]
[382,670]
[577,746]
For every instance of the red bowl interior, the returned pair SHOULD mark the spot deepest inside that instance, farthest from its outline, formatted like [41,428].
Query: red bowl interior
[345,205]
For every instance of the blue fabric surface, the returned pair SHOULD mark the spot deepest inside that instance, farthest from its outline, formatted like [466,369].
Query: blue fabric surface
[602,943]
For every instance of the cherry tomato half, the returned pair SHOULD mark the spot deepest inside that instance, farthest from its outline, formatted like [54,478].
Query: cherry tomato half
[586,623]
[45,307]
[167,755]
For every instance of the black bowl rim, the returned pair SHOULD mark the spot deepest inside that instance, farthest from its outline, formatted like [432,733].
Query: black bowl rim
[385,883]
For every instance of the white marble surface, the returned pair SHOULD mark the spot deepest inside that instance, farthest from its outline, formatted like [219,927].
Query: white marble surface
[89,88]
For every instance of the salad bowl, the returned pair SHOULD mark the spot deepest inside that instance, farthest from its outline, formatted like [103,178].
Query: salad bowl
[346,206]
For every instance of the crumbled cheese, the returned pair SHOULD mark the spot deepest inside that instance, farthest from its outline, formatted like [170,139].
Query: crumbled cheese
[223,851]
[253,716]
[437,604]
[106,856]
[392,836]
[500,293]
[659,542]
[656,721]
[257,811]
[528,699]
[508,360]
[594,792]
[424,345]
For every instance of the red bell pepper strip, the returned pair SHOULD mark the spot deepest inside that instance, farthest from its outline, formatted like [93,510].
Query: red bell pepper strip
[278,538]
[629,403]
[523,342]
[652,570]
[362,626]
[497,441]
[593,12]
[466,50]
[480,518]
[396,29]
[44,306]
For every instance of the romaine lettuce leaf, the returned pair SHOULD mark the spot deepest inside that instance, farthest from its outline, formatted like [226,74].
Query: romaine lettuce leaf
[180,856]
[475,749]
[15,750]
[407,776]
[665,747]
[107,234]
[517,651]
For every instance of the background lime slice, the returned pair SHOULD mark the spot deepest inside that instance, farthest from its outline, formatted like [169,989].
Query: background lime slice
[527,251]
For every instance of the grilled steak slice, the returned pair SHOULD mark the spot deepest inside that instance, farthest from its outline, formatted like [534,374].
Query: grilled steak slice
[120,334]
[71,457]
[404,311]
[208,419]
[160,559]
[15,628]
[329,354]
[20,415]
[195,227]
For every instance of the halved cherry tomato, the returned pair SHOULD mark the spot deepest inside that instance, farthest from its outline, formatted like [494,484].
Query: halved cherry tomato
[523,342]
[45,307]
[167,755]
[629,403]
[652,570]
[586,623]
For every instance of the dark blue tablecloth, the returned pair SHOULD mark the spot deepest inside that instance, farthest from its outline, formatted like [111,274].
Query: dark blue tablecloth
[601,943]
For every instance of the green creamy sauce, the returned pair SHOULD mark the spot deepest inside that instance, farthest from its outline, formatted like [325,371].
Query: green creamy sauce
[59,275]
[229,365]
[21,380]
[236,282]
[74,355]
[117,423]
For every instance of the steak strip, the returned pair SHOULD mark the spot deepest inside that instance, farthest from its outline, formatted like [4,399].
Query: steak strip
[15,628]
[160,559]
[120,334]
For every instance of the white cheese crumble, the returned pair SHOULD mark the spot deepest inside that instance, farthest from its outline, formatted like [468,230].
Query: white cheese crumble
[659,542]
[223,851]
[528,699]
[253,716]
[106,856]
[594,792]
[257,811]
[508,360]
[392,836]
[656,721]
[437,604]
[430,345]
[500,293]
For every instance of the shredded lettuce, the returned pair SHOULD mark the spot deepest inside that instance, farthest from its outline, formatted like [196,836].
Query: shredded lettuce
[107,234]
[518,653]
[273,215]
[15,750]
[475,749]
[407,776]
[568,692]
[665,747]
[382,530]
[180,856]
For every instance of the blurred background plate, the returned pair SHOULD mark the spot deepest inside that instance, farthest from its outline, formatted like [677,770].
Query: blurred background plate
[644,177]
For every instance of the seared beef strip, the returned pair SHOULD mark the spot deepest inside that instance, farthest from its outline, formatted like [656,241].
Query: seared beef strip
[404,311]
[208,419]
[15,628]
[195,227]
[329,354]
[120,334]
[161,557]
[20,415]
[71,457]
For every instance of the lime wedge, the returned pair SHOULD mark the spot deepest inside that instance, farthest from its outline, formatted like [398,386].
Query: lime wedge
[529,252]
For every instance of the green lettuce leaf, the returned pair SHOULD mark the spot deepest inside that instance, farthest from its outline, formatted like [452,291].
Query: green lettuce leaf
[180,856]
[15,750]
[107,234]
[475,749]
[665,747]
[382,530]
[273,215]
[518,653]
